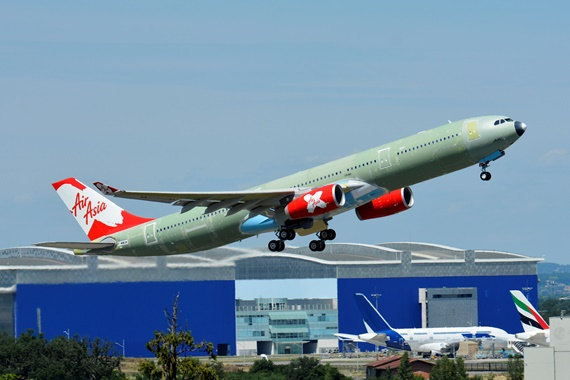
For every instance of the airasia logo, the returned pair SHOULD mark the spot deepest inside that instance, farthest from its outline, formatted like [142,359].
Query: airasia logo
[84,204]
[314,201]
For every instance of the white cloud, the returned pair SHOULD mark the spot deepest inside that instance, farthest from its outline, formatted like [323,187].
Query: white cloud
[554,156]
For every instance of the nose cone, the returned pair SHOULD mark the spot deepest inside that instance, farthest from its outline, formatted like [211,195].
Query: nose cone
[520,127]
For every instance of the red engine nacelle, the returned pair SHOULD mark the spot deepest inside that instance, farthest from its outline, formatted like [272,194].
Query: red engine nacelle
[316,202]
[388,204]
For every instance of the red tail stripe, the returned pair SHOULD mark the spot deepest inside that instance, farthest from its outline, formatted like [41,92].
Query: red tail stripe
[99,229]
[541,321]
[69,181]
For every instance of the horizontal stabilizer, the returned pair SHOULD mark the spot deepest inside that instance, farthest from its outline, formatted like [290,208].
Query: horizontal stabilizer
[349,337]
[78,245]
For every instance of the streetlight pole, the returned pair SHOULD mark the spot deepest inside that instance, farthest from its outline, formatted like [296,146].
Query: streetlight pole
[66,332]
[527,290]
[122,346]
[376,295]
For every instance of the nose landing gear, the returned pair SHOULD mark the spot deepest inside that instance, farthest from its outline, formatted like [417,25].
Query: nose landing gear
[485,175]
[486,161]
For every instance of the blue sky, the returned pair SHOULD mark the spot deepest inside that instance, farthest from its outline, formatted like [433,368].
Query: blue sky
[216,95]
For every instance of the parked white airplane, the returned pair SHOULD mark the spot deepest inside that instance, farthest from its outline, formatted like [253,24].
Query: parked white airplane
[433,340]
[536,330]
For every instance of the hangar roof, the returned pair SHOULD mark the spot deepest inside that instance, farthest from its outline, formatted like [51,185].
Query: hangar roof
[334,254]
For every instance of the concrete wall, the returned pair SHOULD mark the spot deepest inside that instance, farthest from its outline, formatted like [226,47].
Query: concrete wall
[550,363]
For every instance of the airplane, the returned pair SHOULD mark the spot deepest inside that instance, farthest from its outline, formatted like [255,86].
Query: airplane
[375,183]
[431,340]
[536,330]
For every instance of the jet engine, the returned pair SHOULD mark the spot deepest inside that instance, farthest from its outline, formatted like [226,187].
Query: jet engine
[388,204]
[438,347]
[316,202]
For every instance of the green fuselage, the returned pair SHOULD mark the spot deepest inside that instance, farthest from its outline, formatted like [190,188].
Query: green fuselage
[404,162]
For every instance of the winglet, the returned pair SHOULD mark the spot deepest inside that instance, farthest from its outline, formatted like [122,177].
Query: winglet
[105,189]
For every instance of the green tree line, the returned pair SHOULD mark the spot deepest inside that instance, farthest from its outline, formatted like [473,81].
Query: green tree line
[31,356]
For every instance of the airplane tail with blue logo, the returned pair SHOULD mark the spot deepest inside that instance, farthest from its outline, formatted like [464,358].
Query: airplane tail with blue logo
[373,320]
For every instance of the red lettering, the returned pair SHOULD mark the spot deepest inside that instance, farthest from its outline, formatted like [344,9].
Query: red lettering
[83,202]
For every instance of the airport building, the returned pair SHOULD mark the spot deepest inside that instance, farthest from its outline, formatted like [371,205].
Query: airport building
[286,326]
[124,298]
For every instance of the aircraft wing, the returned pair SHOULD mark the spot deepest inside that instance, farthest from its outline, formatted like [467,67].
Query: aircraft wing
[234,200]
[257,201]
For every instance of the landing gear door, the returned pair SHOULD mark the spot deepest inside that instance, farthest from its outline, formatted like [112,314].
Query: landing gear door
[384,158]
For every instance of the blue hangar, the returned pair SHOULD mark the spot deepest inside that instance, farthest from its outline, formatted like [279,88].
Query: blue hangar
[122,298]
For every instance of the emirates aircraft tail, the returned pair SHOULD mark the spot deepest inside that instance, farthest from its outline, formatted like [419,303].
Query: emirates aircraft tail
[536,330]
[97,215]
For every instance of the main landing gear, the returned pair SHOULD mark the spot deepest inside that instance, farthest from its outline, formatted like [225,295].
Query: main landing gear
[289,234]
[319,245]
[283,234]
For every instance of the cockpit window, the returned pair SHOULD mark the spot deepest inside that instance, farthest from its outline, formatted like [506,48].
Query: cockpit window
[501,121]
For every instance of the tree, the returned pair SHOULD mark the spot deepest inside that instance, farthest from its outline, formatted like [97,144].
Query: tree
[169,347]
[444,369]
[262,365]
[405,368]
[387,375]
[305,368]
[148,371]
[515,368]
[191,368]
[32,356]
[460,371]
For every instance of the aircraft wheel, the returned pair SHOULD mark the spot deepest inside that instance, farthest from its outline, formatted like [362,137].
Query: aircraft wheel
[314,245]
[327,235]
[322,245]
[332,234]
[273,245]
[291,235]
[283,234]
[281,246]
[485,176]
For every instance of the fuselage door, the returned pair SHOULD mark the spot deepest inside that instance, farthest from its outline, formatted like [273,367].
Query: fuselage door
[384,158]
[150,234]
